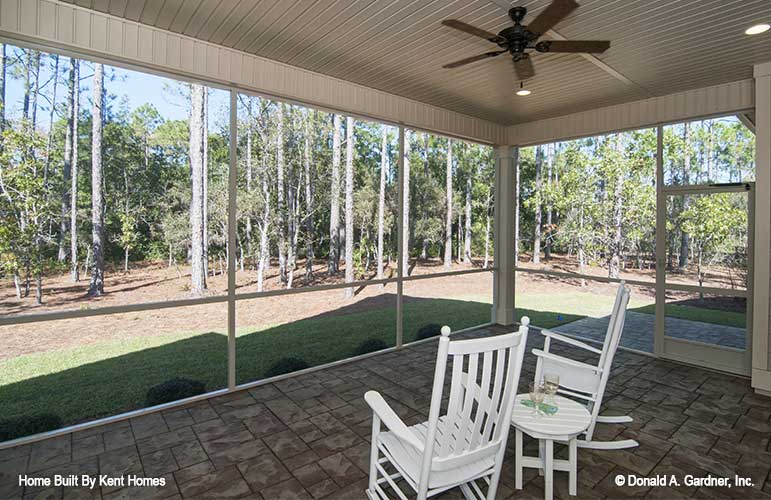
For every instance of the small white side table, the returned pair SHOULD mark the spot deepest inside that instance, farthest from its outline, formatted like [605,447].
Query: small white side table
[570,420]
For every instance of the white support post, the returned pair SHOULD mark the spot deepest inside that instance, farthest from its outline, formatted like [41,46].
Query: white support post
[505,201]
[761,346]
[232,223]
[402,221]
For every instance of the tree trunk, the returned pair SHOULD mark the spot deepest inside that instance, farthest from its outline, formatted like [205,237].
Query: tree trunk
[264,234]
[205,176]
[487,229]
[3,63]
[406,215]
[549,165]
[197,212]
[309,254]
[448,208]
[615,261]
[281,189]
[333,265]
[67,160]
[381,201]
[74,275]
[249,172]
[97,203]
[349,275]
[537,220]
[423,204]
[517,201]
[685,239]
[467,245]
[460,236]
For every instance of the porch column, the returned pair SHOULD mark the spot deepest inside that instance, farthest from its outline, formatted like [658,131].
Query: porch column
[761,347]
[505,199]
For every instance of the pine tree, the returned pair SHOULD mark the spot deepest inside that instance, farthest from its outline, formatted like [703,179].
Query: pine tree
[349,276]
[333,265]
[198,271]
[97,191]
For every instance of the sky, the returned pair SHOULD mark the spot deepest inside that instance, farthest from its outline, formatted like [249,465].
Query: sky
[134,87]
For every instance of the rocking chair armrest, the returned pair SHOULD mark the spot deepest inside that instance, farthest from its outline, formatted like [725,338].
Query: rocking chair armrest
[566,361]
[392,420]
[571,341]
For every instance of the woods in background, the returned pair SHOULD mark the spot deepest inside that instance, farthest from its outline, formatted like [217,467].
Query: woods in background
[107,181]
[593,201]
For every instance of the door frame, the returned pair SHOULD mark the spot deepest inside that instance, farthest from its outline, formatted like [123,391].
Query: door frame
[710,356]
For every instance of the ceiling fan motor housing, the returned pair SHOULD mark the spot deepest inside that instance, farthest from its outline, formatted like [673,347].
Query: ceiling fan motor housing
[517,38]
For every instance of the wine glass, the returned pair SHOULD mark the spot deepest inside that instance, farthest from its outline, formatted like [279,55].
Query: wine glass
[551,383]
[536,396]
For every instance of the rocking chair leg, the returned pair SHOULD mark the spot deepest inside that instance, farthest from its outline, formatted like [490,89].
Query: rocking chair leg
[374,455]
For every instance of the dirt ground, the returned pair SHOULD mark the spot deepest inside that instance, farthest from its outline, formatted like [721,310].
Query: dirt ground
[153,282]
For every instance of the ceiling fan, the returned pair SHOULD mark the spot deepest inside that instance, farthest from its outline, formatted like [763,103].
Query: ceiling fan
[520,38]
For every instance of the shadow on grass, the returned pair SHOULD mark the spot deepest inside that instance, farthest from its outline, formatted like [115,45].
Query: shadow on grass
[120,383]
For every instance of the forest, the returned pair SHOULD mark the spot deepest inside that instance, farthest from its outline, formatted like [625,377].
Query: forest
[593,201]
[96,179]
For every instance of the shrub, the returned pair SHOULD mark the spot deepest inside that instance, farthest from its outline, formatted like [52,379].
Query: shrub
[173,390]
[25,425]
[370,345]
[428,331]
[286,365]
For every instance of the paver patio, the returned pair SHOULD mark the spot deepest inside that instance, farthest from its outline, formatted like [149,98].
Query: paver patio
[639,327]
[307,436]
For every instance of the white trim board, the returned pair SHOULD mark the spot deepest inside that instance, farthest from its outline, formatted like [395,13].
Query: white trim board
[64,27]
[727,98]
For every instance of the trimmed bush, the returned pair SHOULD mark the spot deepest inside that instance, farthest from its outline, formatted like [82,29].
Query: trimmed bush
[286,365]
[25,425]
[428,331]
[173,390]
[370,345]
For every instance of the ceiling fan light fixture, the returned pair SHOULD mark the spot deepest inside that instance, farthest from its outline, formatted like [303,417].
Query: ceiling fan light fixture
[523,92]
[757,29]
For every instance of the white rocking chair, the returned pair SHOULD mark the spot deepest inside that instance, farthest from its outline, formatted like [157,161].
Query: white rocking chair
[468,442]
[585,381]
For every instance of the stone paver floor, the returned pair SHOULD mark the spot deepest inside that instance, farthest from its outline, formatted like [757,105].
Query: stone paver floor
[638,331]
[306,437]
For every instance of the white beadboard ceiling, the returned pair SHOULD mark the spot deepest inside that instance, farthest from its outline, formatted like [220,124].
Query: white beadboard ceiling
[658,47]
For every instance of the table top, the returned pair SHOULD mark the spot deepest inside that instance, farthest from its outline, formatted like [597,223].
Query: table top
[572,418]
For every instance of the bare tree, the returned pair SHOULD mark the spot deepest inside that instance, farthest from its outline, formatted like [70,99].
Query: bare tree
[685,238]
[487,227]
[3,63]
[549,167]
[249,171]
[74,175]
[205,178]
[448,209]
[614,265]
[309,256]
[406,210]
[467,239]
[97,202]
[333,265]
[381,201]
[197,213]
[537,219]
[67,164]
[349,205]
[516,211]
[280,187]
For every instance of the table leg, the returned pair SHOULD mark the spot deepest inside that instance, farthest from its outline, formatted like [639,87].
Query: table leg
[541,455]
[573,459]
[548,468]
[518,459]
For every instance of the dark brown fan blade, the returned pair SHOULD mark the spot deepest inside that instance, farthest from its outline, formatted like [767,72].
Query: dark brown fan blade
[472,59]
[473,30]
[590,46]
[551,15]
[524,68]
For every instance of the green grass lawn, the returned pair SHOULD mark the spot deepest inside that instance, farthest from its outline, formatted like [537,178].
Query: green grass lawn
[714,316]
[107,378]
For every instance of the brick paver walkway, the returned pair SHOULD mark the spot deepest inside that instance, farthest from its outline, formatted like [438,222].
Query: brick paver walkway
[307,437]
[638,331]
